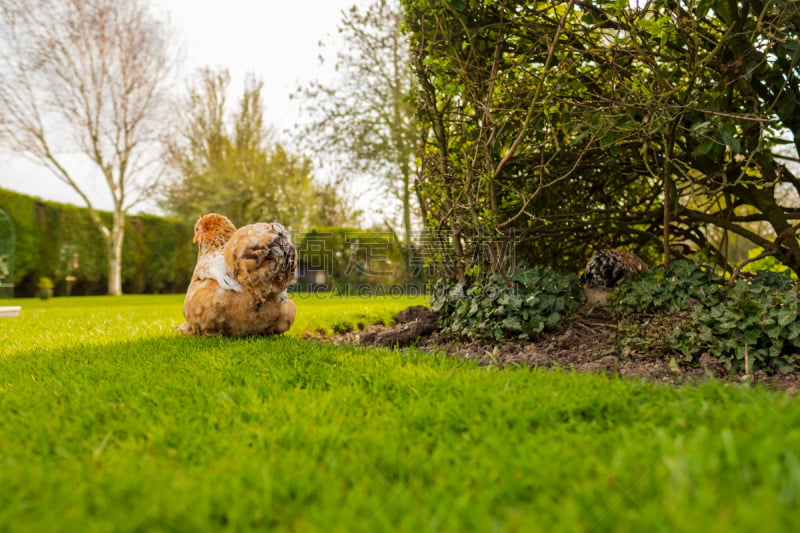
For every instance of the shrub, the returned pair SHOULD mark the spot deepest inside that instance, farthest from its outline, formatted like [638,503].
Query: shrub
[672,290]
[688,310]
[755,318]
[532,302]
[354,261]
[45,288]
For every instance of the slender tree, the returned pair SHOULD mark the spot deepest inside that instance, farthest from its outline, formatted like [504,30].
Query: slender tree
[365,119]
[85,80]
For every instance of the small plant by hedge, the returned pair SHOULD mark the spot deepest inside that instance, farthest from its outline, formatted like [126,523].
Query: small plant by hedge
[754,319]
[531,302]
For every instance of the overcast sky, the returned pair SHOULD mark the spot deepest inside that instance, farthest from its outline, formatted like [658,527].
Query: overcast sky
[277,40]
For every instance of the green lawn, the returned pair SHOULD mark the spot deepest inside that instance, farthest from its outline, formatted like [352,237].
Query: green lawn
[110,422]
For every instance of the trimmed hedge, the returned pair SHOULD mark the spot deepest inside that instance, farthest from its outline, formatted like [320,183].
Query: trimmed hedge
[158,255]
[354,261]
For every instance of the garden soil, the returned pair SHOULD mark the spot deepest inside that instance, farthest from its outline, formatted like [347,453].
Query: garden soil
[591,344]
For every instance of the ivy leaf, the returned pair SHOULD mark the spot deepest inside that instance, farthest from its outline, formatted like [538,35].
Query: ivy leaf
[786,317]
[731,141]
[512,323]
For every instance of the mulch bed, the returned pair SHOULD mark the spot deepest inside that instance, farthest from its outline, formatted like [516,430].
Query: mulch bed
[590,345]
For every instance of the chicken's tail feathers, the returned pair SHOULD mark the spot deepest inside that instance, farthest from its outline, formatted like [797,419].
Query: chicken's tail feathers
[278,259]
[262,255]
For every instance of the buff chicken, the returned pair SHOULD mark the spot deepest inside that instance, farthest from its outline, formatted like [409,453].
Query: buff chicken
[239,283]
[604,270]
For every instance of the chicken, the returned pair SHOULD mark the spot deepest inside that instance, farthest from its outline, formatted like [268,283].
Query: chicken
[239,283]
[604,270]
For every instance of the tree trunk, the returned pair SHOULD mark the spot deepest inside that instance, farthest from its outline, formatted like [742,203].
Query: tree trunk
[407,214]
[115,254]
[670,194]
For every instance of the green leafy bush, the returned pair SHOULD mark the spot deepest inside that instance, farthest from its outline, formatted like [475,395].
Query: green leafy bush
[689,310]
[354,261]
[756,318]
[536,300]
[769,263]
[45,288]
[672,290]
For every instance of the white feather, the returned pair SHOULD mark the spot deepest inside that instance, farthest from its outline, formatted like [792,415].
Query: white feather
[214,268]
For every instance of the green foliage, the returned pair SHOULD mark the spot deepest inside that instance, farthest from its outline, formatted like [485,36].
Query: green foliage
[158,255]
[529,132]
[758,318]
[87,104]
[769,263]
[533,301]
[688,310]
[229,164]
[45,286]
[112,422]
[658,290]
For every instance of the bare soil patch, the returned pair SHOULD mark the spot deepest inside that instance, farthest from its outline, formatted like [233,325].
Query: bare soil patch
[591,344]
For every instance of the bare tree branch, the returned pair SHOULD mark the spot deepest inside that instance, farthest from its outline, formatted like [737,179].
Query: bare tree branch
[87,78]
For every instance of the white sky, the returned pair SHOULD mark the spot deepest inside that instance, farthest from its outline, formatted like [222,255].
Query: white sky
[276,40]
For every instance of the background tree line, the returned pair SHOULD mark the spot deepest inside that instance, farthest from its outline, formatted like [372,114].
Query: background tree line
[87,93]
[59,241]
[84,94]
[226,161]
[364,122]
